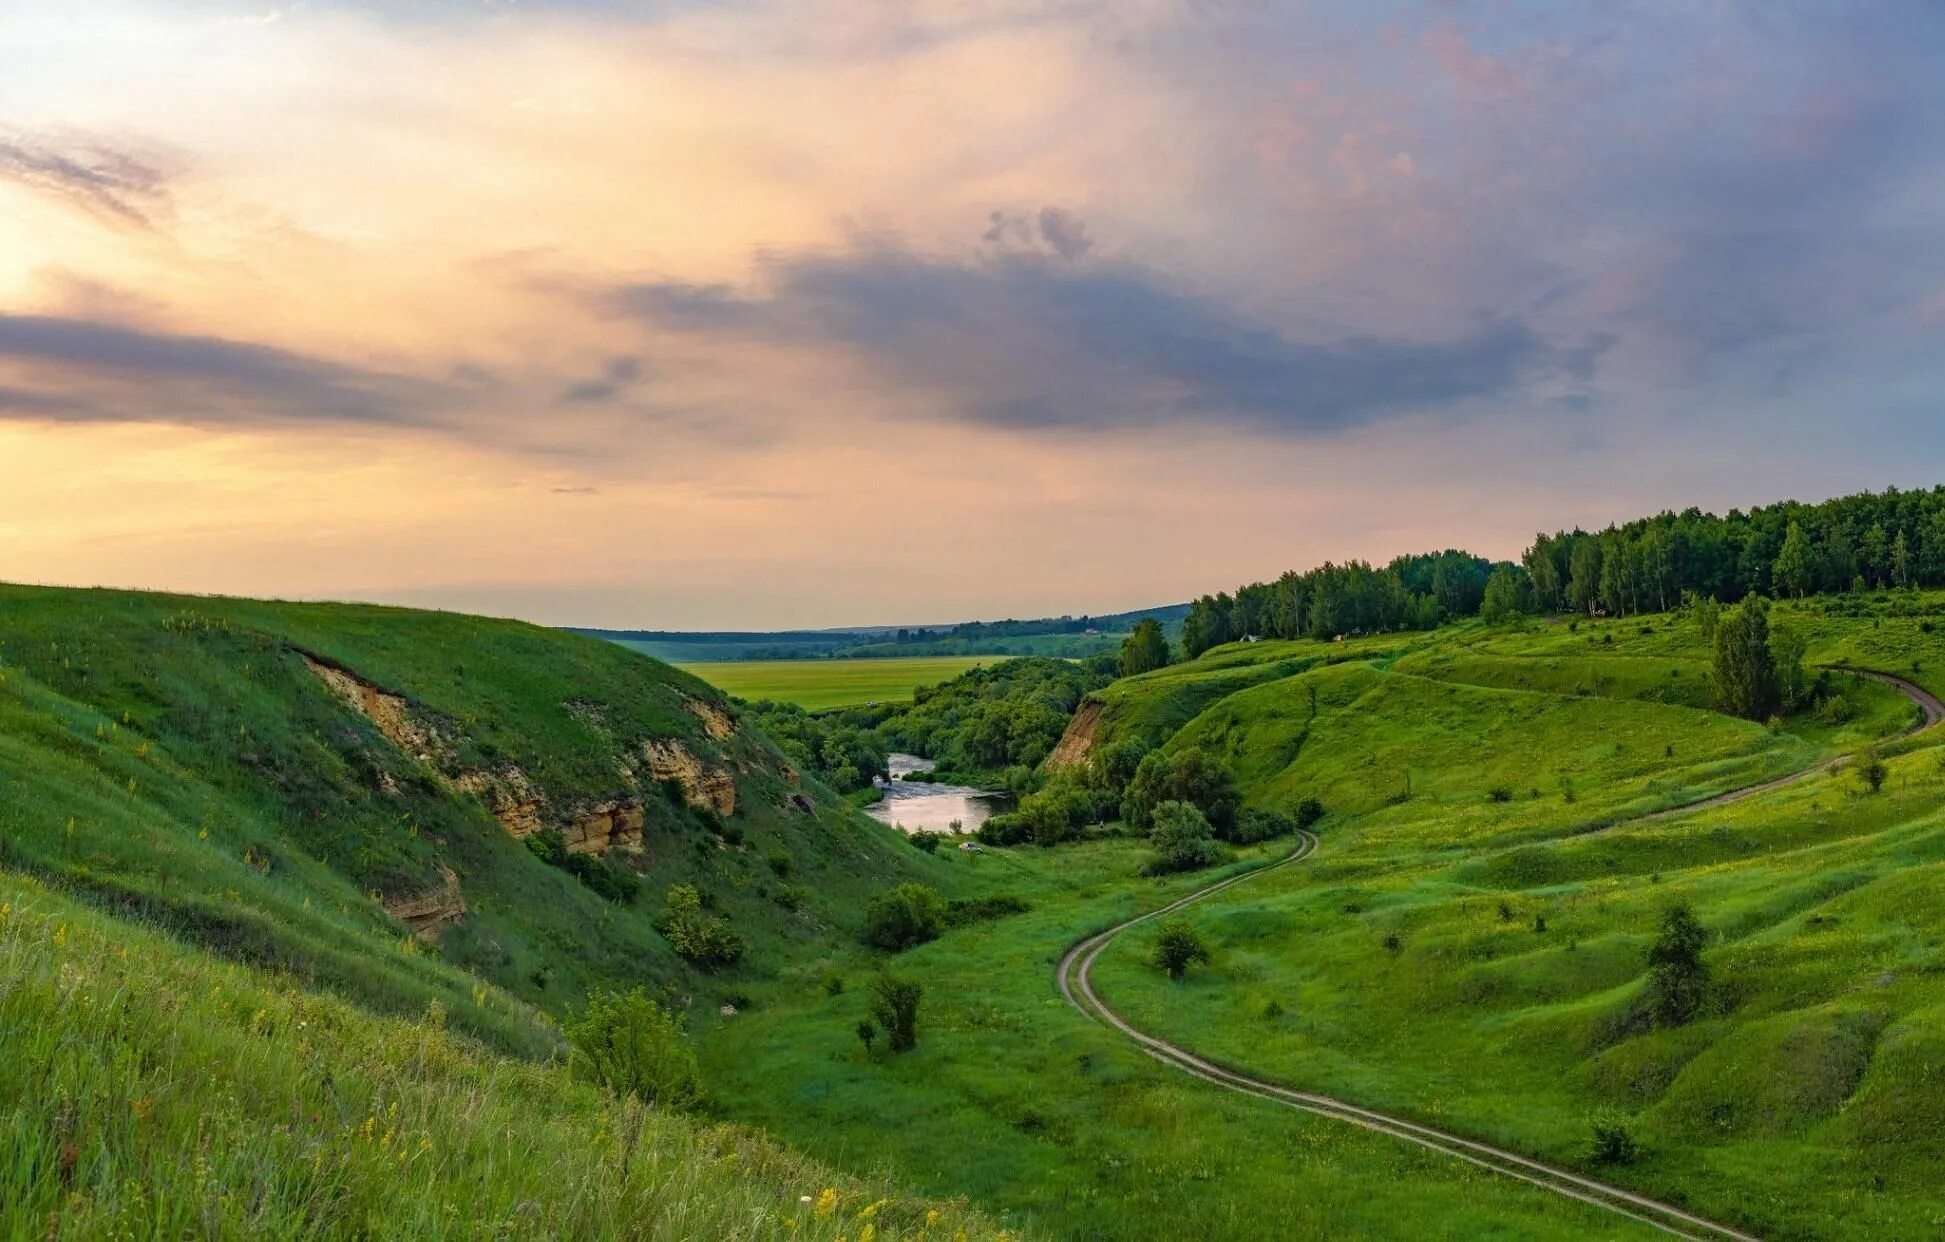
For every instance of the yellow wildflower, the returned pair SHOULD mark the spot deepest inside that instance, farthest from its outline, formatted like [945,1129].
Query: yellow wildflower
[826,1202]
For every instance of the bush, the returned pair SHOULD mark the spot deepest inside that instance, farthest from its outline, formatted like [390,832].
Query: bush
[1179,946]
[702,939]
[1500,793]
[1184,776]
[1678,979]
[1309,812]
[894,1005]
[958,913]
[781,863]
[632,1046]
[1870,769]
[925,842]
[610,880]
[1613,1142]
[1182,840]
[899,918]
[1261,825]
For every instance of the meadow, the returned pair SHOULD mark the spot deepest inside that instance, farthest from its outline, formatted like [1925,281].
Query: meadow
[1465,949]
[208,995]
[819,684]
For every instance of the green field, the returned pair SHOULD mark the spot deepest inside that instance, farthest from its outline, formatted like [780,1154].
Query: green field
[819,684]
[210,988]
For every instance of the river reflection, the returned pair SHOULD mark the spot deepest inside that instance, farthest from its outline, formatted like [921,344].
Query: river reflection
[924,805]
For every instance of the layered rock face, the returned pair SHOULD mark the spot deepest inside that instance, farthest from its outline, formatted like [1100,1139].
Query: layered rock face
[519,803]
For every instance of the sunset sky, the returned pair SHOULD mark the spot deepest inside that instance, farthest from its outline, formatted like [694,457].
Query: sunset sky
[751,315]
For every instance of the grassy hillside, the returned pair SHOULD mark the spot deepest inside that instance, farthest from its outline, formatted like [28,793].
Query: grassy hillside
[284,807]
[1468,947]
[202,762]
[152,1091]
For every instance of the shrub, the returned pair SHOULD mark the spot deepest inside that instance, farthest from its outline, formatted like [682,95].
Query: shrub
[1678,979]
[894,1005]
[1182,840]
[1309,812]
[925,842]
[867,1032]
[610,880]
[702,939]
[781,863]
[1261,825]
[633,1046]
[899,918]
[958,913]
[1613,1142]
[1500,793]
[1184,776]
[1178,946]
[1870,769]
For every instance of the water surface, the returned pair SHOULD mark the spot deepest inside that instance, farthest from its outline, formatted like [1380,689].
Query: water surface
[933,807]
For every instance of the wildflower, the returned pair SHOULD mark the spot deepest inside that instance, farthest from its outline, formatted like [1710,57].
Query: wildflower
[867,1233]
[931,1217]
[826,1202]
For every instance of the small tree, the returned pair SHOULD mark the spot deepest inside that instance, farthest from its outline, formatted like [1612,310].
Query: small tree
[1182,839]
[1871,769]
[1613,1141]
[1178,946]
[1745,669]
[705,940]
[1786,650]
[899,918]
[633,1046]
[1678,979]
[1144,650]
[894,1005]
[867,1031]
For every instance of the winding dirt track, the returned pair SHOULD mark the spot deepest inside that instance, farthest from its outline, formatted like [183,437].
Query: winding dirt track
[1075,985]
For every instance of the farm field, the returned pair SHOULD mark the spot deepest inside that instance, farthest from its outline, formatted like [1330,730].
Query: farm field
[819,684]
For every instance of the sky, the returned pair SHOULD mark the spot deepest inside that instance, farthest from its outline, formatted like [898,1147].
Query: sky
[778,313]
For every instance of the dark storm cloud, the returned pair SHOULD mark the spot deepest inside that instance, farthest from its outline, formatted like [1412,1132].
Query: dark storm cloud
[109,184]
[1064,231]
[617,376]
[74,370]
[1028,341]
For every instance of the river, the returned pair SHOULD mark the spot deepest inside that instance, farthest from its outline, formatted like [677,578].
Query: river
[932,807]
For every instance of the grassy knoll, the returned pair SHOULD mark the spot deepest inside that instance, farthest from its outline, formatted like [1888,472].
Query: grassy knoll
[1467,948]
[178,758]
[819,684]
[1066,1129]
[153,1091]
[204,848]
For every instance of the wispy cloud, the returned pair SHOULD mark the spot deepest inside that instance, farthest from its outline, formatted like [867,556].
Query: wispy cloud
[111,184]
[80,370]
[1034,342]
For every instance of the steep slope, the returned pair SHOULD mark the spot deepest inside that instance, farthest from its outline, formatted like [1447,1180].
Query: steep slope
[291,784]
[149,1090]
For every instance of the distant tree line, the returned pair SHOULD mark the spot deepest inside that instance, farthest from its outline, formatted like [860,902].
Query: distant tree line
[1789,550]
[1411,593]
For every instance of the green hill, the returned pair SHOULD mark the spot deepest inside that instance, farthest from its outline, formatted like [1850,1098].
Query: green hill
[267,871]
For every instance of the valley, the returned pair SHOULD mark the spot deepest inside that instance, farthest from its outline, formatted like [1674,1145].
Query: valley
[1424,881]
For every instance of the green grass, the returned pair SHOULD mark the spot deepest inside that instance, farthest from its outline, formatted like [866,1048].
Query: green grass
[210,825]
[151,1091]
[819,684]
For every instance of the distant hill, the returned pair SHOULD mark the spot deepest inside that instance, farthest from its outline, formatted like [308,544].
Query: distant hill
[1063,637]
